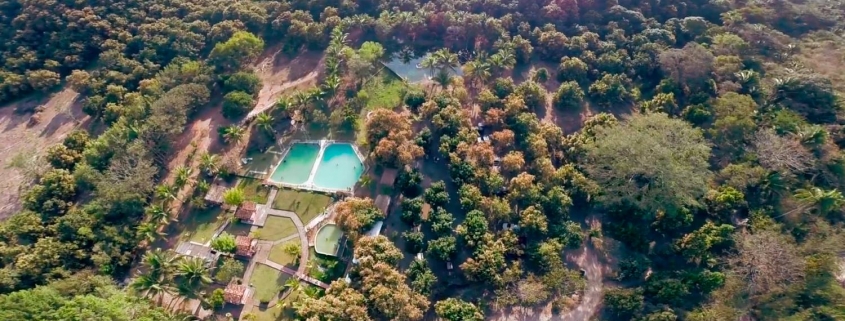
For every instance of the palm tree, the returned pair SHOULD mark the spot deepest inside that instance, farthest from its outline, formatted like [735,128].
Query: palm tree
[430,63]
[208,163]
[165,192]
[331,84]
[233,133]
[149,231]
[293,285]
[159,214]
[443,78]
[824,201]
[265,122]
[477,71]
[234,196]
[183,175]
[301,99]
[151,286]
[446,59]
[192,273]
[159,262]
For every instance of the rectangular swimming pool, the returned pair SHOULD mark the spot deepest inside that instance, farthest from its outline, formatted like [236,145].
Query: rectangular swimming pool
[296,167]
[340,168]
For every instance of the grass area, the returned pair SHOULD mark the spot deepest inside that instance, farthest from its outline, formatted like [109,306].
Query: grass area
[274,313]
[327,268]
[276,228]
[253,190]
[267,282]
[238,228]
[278,255]
[306,205]
[262,162]
[385,91]
[200,225]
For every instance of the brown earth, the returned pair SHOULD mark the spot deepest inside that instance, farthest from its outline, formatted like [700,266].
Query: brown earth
[21,143]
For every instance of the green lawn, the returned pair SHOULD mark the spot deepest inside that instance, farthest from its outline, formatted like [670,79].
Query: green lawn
[385,91]
[276,228]
[238,228]
[267,282]
[306,205]
[278,255]
[200,225]
[253,190]
[274,313]
[261,163]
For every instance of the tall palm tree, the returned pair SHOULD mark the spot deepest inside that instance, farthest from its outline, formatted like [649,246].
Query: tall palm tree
[159,214]
[151,286]
[293,285]
[165,192]
[233,133]
[443,78]
[477,71]
[149,231]
[446,59]
[159,262]
[208,163]
[430,63]
[331,84]
[300,99]
[824,201]
[183,175]
[265,122]
[192,273]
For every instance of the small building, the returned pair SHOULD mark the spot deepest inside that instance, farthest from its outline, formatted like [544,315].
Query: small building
[245,245]
[388,177]
[383,203]
[246,212]
[235,293]
[198,251]
[215,193]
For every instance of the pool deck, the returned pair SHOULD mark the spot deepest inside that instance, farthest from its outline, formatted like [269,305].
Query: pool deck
[317,163]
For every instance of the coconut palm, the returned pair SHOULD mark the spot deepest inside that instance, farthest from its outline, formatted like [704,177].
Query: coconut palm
[233,133]
[300,99]
[446,59]
[203,186]
[234,196]
[824,201]
[183,175]
[159,262]
[159,214]
[149,231]
[165,192]
[265,122]
[443,78]
[151,286]
[191,274]
[283,103]
[208,163]
[477,71]
[293,285]
[331,84]
[430,63]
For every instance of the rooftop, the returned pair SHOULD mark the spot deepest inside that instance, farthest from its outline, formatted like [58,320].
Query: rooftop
[245,246]
[383,203]
[215,193]
[245,211]
[234,293]
[388,177]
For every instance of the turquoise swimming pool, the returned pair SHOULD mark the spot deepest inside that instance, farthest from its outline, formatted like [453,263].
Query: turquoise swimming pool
[411,72]
[296,167]
[328,240]
[340,168]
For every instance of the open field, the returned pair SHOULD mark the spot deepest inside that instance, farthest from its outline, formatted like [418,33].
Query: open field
[278,255]
[267,282]
[306,205]
[276,228]
[199,225]
[253,190]
[22,143]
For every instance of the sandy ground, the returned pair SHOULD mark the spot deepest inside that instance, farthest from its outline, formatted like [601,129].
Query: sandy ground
[21,144]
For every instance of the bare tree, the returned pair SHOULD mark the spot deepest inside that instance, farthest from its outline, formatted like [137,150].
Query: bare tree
[781,154]
[687,66]
[766,261]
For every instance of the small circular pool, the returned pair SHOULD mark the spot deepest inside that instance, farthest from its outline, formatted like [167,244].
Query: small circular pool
[328,240]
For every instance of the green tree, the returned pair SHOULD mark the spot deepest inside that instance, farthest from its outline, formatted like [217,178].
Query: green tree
[239,50]
[824,201]
[234,196]
[624,303]
[216,299]
[664,166]
[225,242]
[568,96]
[237,104]
[228,270]
[443,248]
[453,309]
[243,81]
[474,228]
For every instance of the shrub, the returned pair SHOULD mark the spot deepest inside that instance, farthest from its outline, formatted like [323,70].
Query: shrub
[243,81]
[236,104]
[568,96]
[224,243]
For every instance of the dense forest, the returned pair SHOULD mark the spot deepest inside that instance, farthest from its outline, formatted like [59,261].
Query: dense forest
[711,155]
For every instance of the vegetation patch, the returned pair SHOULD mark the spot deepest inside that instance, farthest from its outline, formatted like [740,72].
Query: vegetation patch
[306,205]
[283,253]
[200,224]
[276,228]
[267,282]
[254,190]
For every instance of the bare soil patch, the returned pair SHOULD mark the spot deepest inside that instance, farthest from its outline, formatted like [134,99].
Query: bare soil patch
[22,142]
